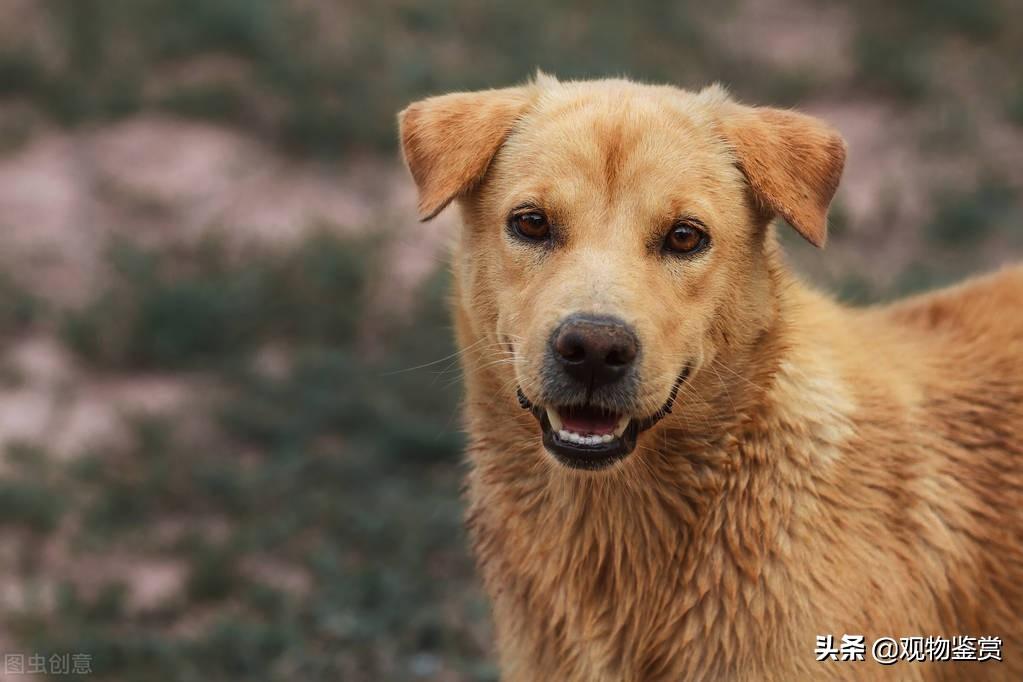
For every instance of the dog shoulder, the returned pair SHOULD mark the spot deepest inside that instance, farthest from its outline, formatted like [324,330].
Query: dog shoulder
[989,305]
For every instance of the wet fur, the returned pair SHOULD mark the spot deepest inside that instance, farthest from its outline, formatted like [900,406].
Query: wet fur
[826,470]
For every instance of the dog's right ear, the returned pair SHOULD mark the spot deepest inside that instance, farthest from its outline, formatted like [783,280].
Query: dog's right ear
[449,141]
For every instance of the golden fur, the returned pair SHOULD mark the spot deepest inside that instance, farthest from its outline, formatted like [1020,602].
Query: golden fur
[826,470]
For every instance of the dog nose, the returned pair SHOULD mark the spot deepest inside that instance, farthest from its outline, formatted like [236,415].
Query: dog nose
[595,350]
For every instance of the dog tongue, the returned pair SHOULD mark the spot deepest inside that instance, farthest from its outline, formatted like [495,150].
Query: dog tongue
[588,421]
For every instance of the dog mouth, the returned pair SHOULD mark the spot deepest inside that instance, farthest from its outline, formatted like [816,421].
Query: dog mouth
[587,436]
[591,436]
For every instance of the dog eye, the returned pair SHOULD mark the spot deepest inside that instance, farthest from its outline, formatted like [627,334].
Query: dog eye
[686,239]
[531,225]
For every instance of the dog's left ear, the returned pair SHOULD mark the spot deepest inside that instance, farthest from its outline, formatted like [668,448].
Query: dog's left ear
[449,141]
[792,161]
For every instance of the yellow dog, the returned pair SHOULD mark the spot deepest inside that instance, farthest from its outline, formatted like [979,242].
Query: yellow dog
[717,468]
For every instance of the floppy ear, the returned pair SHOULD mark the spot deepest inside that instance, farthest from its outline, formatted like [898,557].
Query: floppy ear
[792,161]
[449,141]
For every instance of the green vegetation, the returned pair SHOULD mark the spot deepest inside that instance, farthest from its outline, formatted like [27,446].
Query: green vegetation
[29,504]
[314,509]
[326,78]
[1014,105]
[18,308]
[970,216]
[180,310]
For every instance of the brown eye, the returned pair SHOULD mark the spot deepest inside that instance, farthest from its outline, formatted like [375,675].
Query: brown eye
[685,239]
[531,225]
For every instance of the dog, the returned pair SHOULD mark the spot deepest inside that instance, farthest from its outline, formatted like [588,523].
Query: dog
[685,463]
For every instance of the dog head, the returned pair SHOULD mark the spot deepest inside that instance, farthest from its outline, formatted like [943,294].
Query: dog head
[614,237]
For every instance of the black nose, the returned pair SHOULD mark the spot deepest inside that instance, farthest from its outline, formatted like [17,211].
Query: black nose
[595,350]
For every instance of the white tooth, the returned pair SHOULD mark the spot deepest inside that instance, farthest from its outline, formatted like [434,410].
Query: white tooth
[577,439]
[554,419]
[606,438]
[563,434]
[594,440]
[623,424]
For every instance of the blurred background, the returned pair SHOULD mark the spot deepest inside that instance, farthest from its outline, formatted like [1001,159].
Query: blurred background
[229,441]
